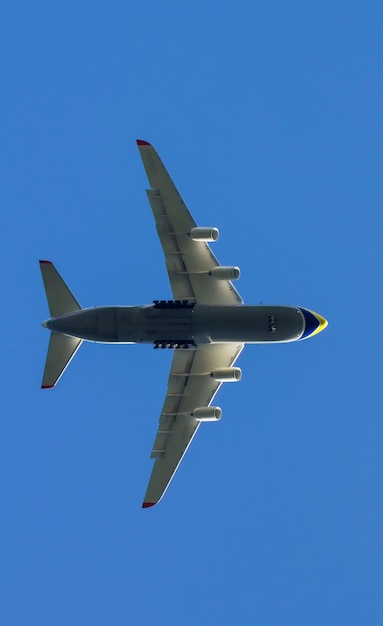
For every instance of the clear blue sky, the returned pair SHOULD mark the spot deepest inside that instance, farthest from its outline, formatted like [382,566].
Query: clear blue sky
[268,116]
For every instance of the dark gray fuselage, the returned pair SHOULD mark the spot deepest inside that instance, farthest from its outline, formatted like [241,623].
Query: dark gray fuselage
[181,325]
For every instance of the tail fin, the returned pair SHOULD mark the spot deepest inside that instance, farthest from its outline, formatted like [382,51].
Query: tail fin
[61,351]
[62,348]
[60,299]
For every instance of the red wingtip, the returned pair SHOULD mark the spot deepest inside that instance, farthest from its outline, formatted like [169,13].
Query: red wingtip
[49,262]
[47,386]
[141,142]
[148,504]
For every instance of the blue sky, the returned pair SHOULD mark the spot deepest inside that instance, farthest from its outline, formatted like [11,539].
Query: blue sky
[269,119]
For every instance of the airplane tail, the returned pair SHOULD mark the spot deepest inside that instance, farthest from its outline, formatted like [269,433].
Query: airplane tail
[62,348]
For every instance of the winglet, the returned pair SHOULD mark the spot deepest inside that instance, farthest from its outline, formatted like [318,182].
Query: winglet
[47,386]
[47,262]
[146,505]
[141,142]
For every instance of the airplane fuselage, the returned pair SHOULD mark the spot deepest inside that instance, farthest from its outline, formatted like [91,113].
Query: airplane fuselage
[182,324]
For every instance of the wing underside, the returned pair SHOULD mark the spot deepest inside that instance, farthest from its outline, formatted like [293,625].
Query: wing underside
[190,386]
[189,264]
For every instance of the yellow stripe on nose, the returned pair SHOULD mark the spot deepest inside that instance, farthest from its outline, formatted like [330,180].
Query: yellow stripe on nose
[323,323]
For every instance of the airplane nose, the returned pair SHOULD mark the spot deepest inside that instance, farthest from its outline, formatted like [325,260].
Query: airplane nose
[315,323]
[44,324]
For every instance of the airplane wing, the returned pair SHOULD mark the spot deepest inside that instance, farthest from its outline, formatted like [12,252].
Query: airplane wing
[188,262]
[190,386]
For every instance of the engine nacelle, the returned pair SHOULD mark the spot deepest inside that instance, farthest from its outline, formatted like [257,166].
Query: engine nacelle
[207,413]
[227,374]
[223,272]
[204,233]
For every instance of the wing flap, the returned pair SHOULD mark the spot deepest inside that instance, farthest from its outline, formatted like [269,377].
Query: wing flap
[179,279]
[178,379]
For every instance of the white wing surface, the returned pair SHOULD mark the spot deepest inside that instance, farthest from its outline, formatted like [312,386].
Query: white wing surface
[188,262]
[190,386]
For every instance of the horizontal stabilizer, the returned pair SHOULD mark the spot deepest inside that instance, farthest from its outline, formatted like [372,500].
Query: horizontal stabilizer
[60,299]
[61,351]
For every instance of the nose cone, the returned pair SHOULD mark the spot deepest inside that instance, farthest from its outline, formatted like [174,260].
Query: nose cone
[315,323]
[323,323]
[45,324]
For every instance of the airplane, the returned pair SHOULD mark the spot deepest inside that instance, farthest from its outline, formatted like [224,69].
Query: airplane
[206,324]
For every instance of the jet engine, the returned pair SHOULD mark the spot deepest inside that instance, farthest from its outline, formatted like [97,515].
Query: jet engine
[227,374]
[207,413]
[204,233]
[223,272]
